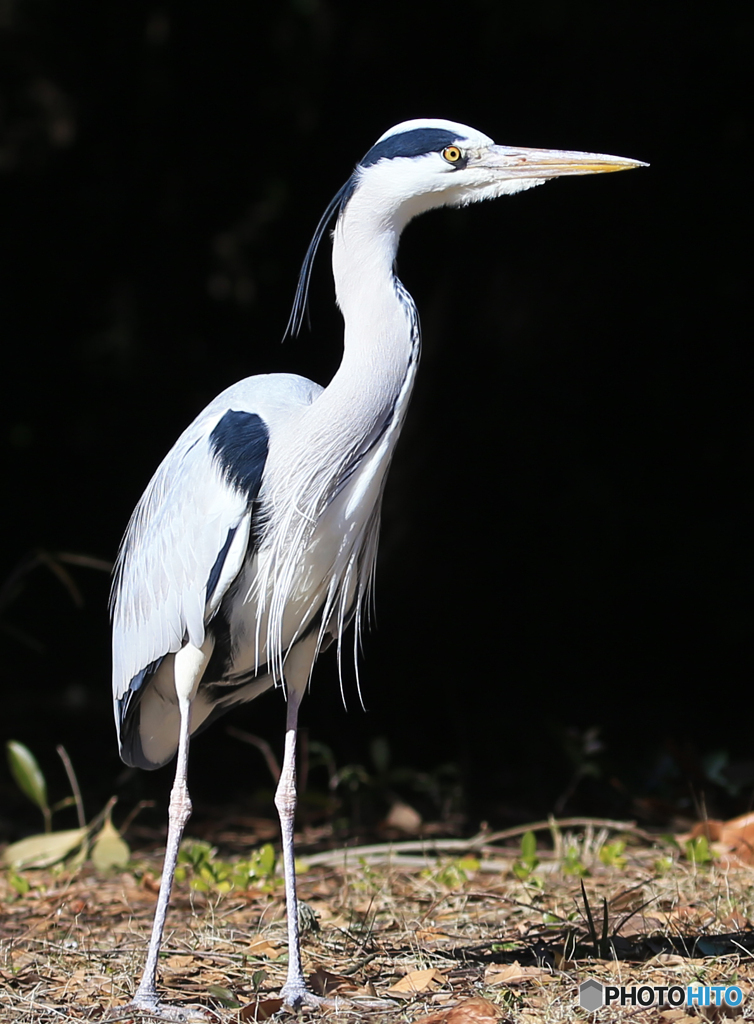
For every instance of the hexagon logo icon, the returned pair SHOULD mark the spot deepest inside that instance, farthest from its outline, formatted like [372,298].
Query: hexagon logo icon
[591,995]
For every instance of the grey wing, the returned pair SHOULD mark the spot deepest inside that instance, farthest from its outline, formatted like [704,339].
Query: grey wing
[184,546]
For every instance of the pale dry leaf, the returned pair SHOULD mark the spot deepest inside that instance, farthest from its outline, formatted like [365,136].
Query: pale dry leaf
[404,817]
[179,962]
[109,850]
[427,935]
[42,851]
[417,981]
[512,974]
[263,947]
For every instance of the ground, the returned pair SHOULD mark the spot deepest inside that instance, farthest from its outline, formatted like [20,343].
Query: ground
[440,933]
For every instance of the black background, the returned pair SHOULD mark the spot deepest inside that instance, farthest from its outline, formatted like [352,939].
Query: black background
[566,539]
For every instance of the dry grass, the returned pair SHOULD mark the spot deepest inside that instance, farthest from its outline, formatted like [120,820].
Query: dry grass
[397,941]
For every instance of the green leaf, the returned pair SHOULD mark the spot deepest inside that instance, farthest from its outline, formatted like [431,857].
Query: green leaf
[528,847]
[43,850]
[698,851]
[27,773]
[19,883]
[224,996]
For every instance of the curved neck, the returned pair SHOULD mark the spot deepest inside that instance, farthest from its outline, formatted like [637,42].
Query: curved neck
[378,338]
[368,395]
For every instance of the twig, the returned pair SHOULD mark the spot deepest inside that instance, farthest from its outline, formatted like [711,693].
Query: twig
[481,843]
[130,817]
[87,561]
[262,746]
[74,784]
[546,826]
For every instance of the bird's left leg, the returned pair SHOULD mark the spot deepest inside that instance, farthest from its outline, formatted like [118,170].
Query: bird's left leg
[190,663]
[294,992]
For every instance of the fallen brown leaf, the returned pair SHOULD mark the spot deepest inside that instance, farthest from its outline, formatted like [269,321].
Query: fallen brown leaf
[735,836]
[324,983]
[262,1009]
[474,1011]
[512,974]
[179,962]
[403,817]
[469,1011]
[425,935]
[262,947]
[417,981]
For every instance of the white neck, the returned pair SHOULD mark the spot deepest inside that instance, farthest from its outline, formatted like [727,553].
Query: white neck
[369,392]
[378,343]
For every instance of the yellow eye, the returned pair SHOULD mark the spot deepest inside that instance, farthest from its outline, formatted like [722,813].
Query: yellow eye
[452,154]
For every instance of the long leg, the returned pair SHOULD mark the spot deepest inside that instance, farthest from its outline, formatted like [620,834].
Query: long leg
[190,663]
[294,992]
[145,997]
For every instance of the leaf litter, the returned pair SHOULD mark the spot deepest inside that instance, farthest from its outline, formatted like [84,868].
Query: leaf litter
[492,933]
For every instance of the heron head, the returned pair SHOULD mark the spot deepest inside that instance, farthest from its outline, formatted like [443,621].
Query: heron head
[422,164]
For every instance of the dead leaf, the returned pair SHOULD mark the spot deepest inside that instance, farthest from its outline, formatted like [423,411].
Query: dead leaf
[735,921]
[474,1011]
[263,947]
[179,961]
[417,981]
[427,935]
[43,850]
[469,1011]
[262,1009]
[512,974]
[109,850]
[735,837]
[403,817]
[323,983]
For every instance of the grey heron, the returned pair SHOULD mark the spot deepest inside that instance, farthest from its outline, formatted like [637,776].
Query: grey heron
[253,547]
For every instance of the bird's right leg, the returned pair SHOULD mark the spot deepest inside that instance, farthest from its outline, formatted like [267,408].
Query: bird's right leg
[190,663]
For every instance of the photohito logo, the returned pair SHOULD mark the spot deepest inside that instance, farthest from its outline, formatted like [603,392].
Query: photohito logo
[593,995]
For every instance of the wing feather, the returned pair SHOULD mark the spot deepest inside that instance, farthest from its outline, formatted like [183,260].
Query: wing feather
[180,527]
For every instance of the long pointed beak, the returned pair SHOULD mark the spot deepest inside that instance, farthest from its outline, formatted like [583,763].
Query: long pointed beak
[550,163]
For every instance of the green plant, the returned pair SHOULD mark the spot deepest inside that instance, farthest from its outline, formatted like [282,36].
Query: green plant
[698,851]
[573,864]
[198,862]
[52,847]
[452,873]
[528,860]
[611,854]
[29,778]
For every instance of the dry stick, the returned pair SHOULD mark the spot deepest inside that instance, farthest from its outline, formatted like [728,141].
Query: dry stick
[132,815]
[262,746]
[481,843]
[74,784]
[546,826]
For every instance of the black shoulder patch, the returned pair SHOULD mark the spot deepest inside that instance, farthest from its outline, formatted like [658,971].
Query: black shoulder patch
[240,443]
[415,142]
